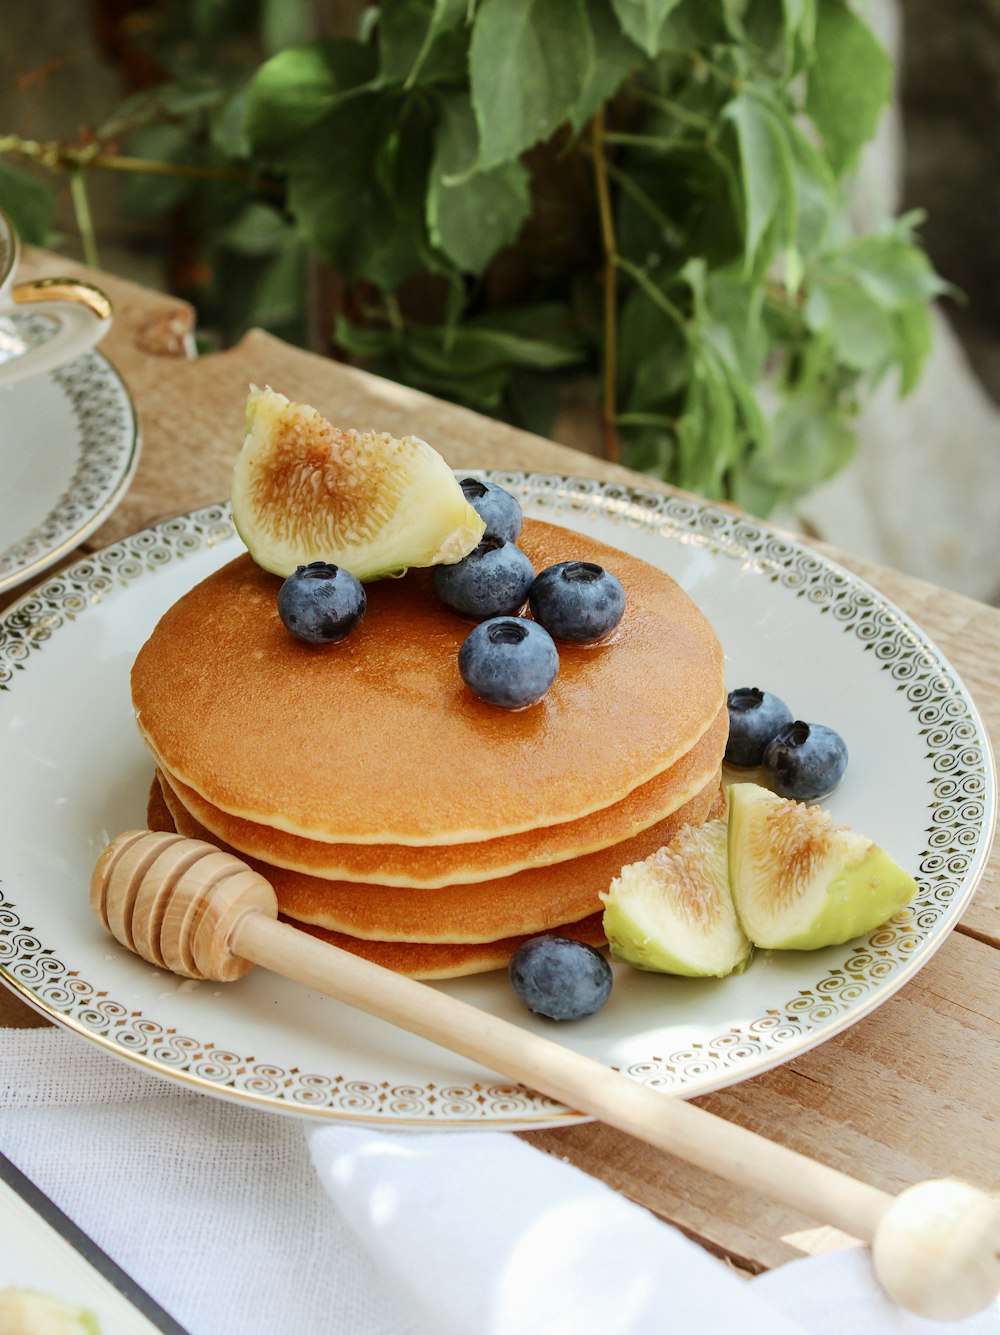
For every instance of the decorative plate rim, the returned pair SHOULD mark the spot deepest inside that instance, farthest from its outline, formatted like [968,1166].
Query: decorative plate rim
[951,864]
[64,527]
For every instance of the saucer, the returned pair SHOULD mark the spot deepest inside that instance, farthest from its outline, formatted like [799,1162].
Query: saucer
[69,445]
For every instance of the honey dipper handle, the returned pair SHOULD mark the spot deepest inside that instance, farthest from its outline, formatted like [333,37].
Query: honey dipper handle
[925,1261]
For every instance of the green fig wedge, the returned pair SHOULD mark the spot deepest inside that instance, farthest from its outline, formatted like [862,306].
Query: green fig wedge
[304,491]
[801,882]
[673,912]
[26,1310]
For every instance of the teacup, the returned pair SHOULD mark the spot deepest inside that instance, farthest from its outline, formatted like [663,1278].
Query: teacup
[80,311]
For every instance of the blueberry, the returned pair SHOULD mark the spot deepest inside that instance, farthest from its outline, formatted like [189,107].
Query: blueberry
[508,661]
[577,600]
[754,718]
[559,978]
[500,510]
[492,581]
[805,760]
[321,603]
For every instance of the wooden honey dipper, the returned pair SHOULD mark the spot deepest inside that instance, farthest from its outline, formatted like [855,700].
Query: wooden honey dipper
[186,906]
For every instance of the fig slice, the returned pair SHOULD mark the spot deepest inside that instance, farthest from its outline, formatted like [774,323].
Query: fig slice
[673,912]
[303,490]
[799,881]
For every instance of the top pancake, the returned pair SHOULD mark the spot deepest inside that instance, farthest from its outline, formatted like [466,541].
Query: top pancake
[378,740]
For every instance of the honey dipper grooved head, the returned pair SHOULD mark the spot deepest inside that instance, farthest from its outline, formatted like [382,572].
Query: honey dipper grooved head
[176,901]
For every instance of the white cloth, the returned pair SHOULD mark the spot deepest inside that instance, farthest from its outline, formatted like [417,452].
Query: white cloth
[240,1221]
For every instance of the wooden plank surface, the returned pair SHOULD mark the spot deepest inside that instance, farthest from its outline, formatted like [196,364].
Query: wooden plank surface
[908,1092]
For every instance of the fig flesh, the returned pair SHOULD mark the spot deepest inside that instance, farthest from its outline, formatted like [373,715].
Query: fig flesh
[304,491]
[673,912]
[801,882]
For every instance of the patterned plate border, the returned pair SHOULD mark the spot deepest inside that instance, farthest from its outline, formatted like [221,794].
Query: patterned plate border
[962,806]
[109,448]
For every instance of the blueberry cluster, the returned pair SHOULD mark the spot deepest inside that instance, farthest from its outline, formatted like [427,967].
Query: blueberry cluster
[508,660]
[800,760]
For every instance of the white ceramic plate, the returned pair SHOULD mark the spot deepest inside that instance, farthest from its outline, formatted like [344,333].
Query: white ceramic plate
[69,444]
[74,774]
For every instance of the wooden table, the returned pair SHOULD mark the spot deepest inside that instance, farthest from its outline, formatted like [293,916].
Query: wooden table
[908,1093]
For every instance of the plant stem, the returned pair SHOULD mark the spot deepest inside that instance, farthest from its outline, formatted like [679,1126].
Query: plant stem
[84,221]
[115,162]
[657,297]
[656,141]
[675,109]
[671,234]
[609,283]
[68,157]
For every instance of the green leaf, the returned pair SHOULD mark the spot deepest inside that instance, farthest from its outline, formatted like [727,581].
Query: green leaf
[850,83]
[227,128]
[643,21]
[706,435]
[356,188]
[361,342]
[734,322]
[531,401]
[258,230]
[174,101]
[617,58]
[781,32]
[482,390]
[733,335]
[766,172]
[277,296]
[815,193]
[649,450]
[653,362]
[811,443]
[529,63]
[541,337]
[891,271]
[862,332]
[423,39]
[29,203]
[154,195]
[914,339]
[297,88]
[284,23]
[471,217]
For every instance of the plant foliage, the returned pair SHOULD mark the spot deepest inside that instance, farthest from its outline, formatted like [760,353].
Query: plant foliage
[648,193]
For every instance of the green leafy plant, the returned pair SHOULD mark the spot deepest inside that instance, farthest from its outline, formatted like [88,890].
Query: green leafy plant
[647,196]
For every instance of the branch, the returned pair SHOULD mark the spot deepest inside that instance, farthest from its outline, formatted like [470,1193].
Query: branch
[74,158]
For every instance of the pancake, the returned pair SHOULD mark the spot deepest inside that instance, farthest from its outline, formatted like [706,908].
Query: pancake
[529,901]
[420,959]
[432,866]
[377,739]
[423,960]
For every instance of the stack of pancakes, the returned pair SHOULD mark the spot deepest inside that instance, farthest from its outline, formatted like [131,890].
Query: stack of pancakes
[396,814]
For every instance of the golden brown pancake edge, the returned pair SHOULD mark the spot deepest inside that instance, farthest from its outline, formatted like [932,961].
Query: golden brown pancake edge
[431,866]
[417,960]
[535,900]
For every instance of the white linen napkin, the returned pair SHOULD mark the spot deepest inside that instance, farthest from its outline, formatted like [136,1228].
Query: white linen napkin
[240,1222]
